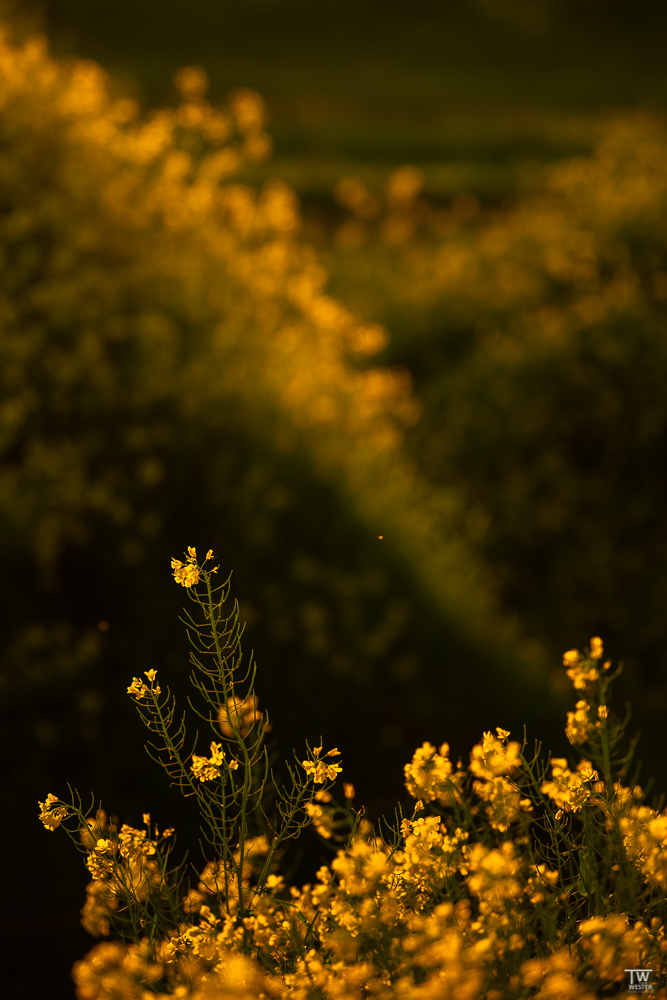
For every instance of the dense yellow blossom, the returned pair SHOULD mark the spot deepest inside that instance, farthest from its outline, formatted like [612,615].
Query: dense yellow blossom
[645,839]
[448,906]
[556,977]
[570,790]
[494,757]
[495,875]
[428,857]
[187,574]
[613,946]
[503,802]
[431,775]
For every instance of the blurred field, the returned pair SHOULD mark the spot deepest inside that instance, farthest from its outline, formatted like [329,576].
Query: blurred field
[470,92]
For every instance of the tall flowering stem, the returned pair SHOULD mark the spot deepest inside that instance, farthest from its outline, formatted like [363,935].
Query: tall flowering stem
[230,783]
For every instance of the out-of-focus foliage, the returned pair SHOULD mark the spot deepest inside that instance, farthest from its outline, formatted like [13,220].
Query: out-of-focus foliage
[169,355]
[536,337]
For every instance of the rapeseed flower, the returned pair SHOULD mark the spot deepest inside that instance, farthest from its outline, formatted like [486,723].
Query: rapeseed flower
[503,802]
[645,839]
[186,574]
[584,671]
[430,775]
[50,814]
[139,689]
[494,756]
[579,725]
[445,908]
[321,818]
[240,714]
[208,768]
[320,771]
[569,790]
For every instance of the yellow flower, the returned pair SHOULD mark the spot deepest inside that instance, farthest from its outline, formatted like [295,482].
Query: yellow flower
[319,770]
[583,674]
[493,758]
[596,648]
[645,839]
[567,789]
[187,575]
[579,724]
[208,769]
[321,819]
[430,774]
[138,688]
[240,714]
[152,674]
[50,814]
[503,800]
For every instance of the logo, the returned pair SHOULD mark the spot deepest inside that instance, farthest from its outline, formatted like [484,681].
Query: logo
[639,980]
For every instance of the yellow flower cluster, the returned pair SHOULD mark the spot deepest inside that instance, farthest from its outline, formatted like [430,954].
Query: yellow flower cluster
[139,689]
[579,725]
[379,929]
[187,573]
[555,977]
[586,675]
[320,771]
[208,768]
[495,875]
[51,814]
[504,803]
[240,714]
[582,671]
[494,756]
[321,818]
[645,839]
[377,936]
[612,946]
[428,857]
[449,909]
[123,867]
[570,790]
[430,775]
